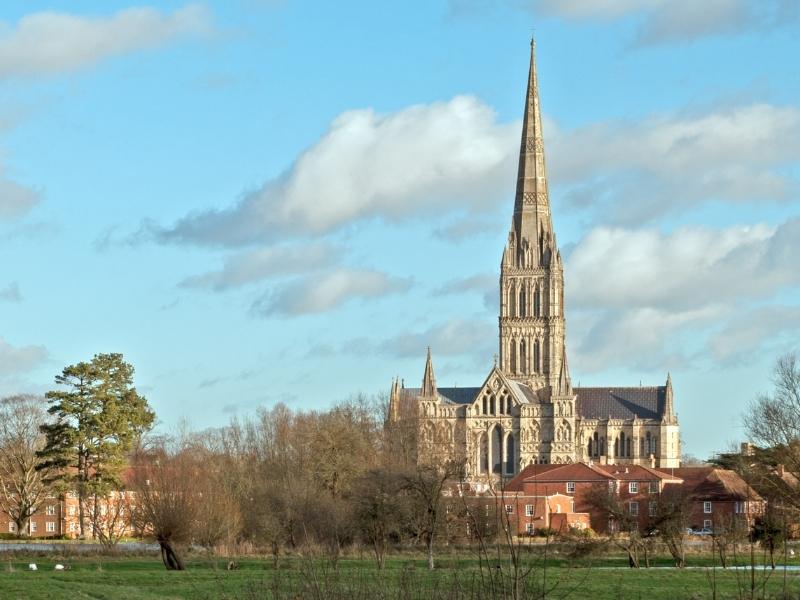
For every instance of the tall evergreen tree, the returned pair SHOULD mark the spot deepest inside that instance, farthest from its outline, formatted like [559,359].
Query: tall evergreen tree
[99,418]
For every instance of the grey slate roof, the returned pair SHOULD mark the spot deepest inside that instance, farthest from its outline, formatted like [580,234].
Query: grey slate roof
[621,402]
[456,395]
[593,403]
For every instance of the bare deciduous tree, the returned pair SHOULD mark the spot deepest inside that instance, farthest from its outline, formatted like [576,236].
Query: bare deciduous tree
[23,483]
[166,507]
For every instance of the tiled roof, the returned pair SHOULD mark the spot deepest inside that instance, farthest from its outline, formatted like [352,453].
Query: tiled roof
[621,402]
[593,403]
[711,483]
[569,472]
[515,485]
[456,395]
[523,393]
[637,473]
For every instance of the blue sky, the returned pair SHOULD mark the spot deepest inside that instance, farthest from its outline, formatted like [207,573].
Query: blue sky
[263,201]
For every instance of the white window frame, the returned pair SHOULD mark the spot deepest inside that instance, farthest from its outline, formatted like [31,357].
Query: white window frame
[654,487]
[509,509]
[529,512]
[529,528]
[633,487]
[73,527]
[50,510]
[50,526]
[653,508]
[633,509]
[707,524]
[32,526]
[570,487]
[12,527]
[707,507]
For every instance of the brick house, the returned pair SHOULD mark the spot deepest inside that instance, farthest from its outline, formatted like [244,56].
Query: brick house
[637,487]
[59,516]
[719,498]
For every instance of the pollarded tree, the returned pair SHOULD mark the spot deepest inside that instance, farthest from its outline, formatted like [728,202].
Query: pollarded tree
[23,484]
[99,418]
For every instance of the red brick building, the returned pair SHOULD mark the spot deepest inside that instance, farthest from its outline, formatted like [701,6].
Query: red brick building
[715,496]
[719,498]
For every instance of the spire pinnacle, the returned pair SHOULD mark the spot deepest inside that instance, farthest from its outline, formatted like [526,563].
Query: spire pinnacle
[669,403]
[428,378]
[532,202]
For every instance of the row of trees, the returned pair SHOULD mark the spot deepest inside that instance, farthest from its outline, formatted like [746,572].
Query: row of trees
[281,480]
[298,480]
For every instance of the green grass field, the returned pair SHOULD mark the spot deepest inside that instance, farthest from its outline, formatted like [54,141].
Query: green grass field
[403,578]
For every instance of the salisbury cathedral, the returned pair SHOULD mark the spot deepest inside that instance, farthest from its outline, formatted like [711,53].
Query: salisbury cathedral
[527,411]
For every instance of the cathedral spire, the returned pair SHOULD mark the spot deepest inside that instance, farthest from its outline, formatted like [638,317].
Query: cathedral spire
[532,220]
[428,378]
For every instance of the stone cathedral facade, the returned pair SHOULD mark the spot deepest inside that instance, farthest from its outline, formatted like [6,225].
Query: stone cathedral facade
[527,411]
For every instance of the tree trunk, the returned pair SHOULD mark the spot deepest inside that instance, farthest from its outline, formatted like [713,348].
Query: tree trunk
[430,552]
[275,555]
[172,561]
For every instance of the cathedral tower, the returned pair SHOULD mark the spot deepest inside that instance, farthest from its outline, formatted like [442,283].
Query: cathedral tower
[532,348]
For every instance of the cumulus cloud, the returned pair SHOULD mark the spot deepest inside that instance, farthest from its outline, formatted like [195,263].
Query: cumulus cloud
[754,329]
[19,359]
[456,337]
[11,293]
[320,293]
[53,42]
[666,21]
[16,199]
[691,266]
[633,293]
[422,159]
[251,266]
[667,163]
[639,338]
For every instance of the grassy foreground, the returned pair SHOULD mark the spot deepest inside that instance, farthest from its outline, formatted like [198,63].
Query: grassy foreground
[404,578]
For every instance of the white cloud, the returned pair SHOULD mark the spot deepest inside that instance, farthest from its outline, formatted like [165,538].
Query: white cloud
[456,337]
[665,21]
[53,42]
[667,163]
[638,338]
[423,159]
[634,293]
[15,199]
[316,294]
[248,267]
[485,284]
[16,360]
[752,330]
[692,266]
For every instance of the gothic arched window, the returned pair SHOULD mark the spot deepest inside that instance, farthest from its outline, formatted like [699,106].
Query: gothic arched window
[537,302]
[523,357]
[513,356]
[512,299]
[522,303]
[510,453]
[537,357]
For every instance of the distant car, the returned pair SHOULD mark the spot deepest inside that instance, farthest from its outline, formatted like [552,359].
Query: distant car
[703,531]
